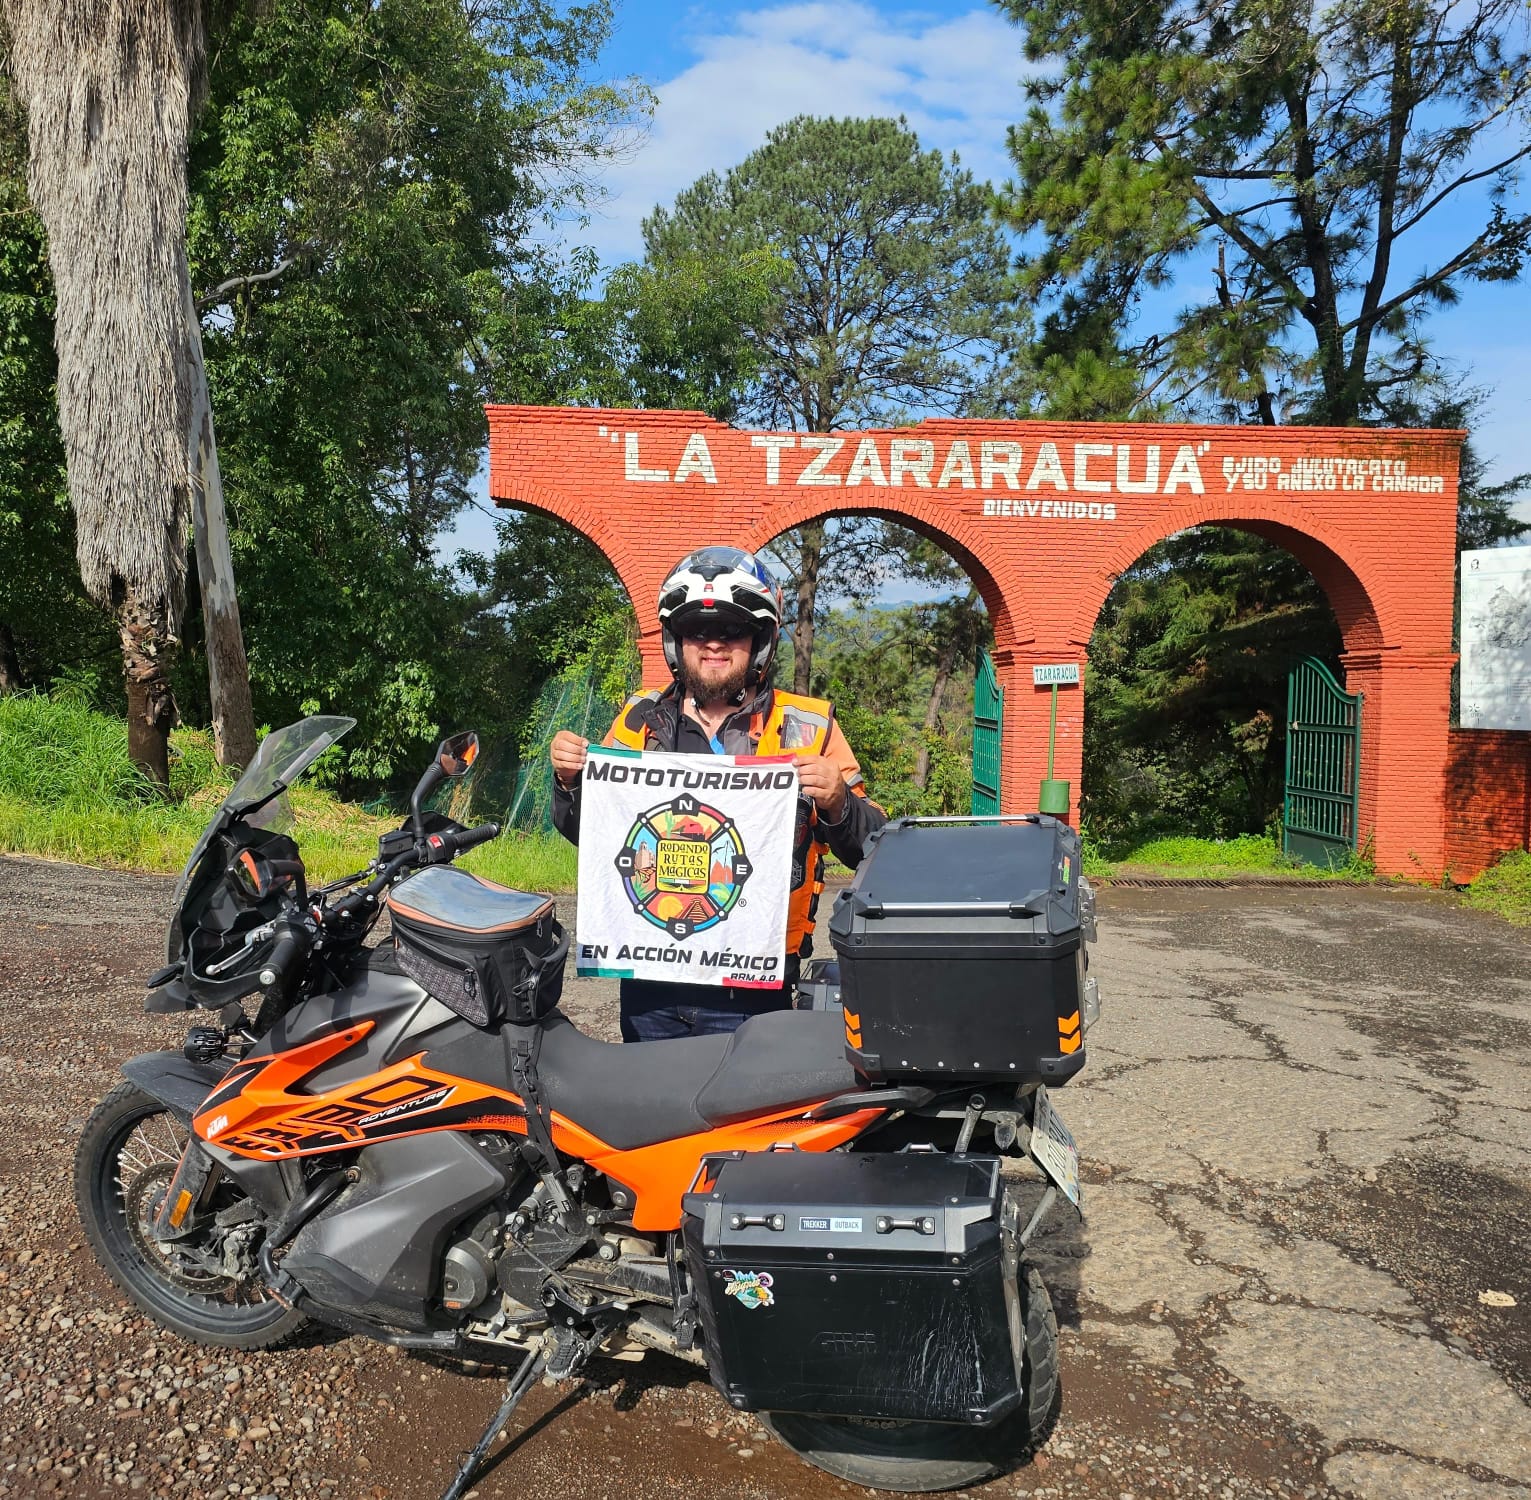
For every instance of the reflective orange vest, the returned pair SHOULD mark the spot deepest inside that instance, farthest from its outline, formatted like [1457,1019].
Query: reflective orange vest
[794,723]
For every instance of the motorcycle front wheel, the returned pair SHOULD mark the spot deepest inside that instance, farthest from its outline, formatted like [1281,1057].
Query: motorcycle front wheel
[127,1156]
[920,1457]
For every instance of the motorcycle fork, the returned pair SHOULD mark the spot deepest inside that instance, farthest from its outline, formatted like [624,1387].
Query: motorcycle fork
[189,1193]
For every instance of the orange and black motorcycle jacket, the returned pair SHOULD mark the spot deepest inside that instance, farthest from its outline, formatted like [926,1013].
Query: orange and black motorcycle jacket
[774,723]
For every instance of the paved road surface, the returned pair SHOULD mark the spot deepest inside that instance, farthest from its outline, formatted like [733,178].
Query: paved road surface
[1305,1268]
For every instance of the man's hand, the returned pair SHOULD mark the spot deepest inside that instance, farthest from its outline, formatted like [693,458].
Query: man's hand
[567,753]
[821,780]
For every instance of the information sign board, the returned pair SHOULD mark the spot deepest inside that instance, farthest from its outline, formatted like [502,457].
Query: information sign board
[1496,638]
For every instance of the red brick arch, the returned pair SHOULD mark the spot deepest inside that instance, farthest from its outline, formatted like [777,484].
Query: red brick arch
[1342,582]
[1011,617]
[1044,516]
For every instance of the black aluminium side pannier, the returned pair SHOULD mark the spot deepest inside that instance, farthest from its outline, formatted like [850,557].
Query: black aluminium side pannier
[861,1285]
[961,952]
[488,952]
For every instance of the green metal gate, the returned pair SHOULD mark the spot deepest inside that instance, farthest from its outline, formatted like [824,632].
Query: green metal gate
[988,715]
[1323,766]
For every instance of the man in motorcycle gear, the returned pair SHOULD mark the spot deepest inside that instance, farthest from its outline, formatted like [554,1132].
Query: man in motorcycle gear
[720,621]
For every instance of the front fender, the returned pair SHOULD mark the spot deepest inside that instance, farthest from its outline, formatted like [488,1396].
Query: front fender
[177,1082]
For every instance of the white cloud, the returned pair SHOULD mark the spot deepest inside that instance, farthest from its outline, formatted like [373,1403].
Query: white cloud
[956,80]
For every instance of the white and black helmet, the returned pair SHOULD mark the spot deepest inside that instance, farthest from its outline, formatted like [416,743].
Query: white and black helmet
[722,583]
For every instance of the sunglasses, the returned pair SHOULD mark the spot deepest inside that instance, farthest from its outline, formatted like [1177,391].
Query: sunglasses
[731,634]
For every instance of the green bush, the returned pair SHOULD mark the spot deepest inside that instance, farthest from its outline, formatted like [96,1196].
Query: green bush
[1246,851]
[69,791]
[1505,888]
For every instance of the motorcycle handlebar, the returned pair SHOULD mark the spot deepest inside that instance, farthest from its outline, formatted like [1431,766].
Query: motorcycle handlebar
[292,944]
[446,846]
[438,848]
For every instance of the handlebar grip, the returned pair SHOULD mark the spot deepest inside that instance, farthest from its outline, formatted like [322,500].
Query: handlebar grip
[290,949]
[470,837]
[447,845]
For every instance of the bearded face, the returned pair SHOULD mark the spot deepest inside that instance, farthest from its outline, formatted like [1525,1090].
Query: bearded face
[713,671]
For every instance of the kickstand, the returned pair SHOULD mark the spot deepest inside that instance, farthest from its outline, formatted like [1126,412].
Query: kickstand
[520,1383]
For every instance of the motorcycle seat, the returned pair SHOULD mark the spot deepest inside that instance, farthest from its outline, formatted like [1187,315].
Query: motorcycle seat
[630,1095]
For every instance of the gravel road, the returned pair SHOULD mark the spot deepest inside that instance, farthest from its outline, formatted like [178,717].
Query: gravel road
[1305,1269]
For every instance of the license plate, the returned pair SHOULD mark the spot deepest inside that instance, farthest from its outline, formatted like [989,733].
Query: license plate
[1054,1147]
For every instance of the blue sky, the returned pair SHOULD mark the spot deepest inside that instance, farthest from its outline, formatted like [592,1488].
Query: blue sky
[725,74]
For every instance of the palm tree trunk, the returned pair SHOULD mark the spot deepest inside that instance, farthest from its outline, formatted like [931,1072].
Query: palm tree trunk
[110,88]
[151,705]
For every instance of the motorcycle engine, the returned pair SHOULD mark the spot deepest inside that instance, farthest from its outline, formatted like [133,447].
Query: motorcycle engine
[511,1249]
[535,1243]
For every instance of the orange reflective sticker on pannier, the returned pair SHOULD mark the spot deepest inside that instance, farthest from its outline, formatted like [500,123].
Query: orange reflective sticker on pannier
[1069,1036]
[853,1028]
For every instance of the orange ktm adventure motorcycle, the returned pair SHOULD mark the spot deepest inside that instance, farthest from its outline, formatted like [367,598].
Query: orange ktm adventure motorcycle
[829,1209]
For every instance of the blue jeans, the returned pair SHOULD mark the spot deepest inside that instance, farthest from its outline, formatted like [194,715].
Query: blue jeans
[656,1012]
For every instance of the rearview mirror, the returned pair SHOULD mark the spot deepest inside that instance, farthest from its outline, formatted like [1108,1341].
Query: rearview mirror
[256,877]
[456,755]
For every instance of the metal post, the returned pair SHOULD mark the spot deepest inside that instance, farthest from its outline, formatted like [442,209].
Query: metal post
[1052,732]
[1054,795]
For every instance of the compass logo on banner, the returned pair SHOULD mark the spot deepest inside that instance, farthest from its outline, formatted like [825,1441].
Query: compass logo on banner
[683,866]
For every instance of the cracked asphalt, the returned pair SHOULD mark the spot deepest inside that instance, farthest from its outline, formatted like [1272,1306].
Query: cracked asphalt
[1306,1120]
[1304,1270]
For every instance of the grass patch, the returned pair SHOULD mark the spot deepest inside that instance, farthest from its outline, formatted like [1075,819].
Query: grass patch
[1505,888]
[69,791]
[1216,859]
[527,861]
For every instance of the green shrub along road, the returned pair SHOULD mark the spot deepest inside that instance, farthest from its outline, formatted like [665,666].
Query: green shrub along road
[69,791]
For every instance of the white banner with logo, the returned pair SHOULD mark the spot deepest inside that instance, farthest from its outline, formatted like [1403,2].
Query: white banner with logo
[685,866]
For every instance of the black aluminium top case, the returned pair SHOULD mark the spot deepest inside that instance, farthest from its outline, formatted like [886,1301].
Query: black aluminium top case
[862,1285]
[961,952]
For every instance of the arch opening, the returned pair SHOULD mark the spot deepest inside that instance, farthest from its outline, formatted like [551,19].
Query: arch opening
[1190,652]
[900,615]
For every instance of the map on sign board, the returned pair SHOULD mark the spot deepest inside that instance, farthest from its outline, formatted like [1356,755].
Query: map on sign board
[1496,638]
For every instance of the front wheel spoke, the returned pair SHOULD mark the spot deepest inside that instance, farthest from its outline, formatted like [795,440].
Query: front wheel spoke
[174,1135]
[131,1158]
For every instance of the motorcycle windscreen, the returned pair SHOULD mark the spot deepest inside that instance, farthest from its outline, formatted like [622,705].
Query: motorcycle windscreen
[259,796]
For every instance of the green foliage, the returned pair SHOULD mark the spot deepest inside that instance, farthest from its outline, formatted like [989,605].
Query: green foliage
[892,272]
[69,791]
[1246,851]
[667,337]
[1185,718]
[1192,858]
[1505,888]
[584,697]
[1277,153]
[912,737]
[527,862]
[366,188]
